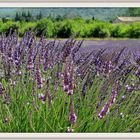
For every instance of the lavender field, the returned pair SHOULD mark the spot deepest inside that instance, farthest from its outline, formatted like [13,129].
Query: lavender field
[69,86]
[130,44]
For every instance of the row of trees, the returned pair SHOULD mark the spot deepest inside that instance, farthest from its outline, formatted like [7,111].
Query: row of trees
[27,16]
[134,12]
[78,27]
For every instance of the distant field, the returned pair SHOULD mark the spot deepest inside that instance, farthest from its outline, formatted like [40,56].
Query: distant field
[130,44]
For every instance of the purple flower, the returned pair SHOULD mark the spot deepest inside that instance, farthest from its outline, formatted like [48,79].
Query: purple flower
[38,78]
[104,111]
[70,92]
[71,82]
[128,88]
[1,88]
[30,59]
[110,102]
[70,86]
[68,77]
[42,97]
[113,97]
[19,73]
[72,116]
[65,80]
[137,73]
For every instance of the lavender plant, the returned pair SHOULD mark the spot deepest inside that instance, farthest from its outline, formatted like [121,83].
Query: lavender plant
[54,86]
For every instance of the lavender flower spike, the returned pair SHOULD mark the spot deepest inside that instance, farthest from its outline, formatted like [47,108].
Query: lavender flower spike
[104,111]
[38,78]
[72,117]
[1,88]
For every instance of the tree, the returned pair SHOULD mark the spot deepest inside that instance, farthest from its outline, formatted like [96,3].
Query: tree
[17,17]
[59,18]
[23,16]
[29,17]
[134,11]
[93,18]
[39,16]
[29,14]
[4,20]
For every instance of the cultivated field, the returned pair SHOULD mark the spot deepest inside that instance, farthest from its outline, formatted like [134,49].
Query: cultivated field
[69,86]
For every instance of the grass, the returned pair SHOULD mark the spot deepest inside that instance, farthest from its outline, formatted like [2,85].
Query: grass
[27,113]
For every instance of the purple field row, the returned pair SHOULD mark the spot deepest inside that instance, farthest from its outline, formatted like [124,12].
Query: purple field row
[130,44]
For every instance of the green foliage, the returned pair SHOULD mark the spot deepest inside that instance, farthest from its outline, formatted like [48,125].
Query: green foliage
[25,16]
[8,27]
[101,30]
[134,11]
[39,16]
[27,113]
[22,110]
[25,26]
[44,26]
[134,30]
[64,28]
[126,30]
[120,30]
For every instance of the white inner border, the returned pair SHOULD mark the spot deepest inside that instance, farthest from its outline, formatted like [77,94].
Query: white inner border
[70,4]
[71,135]
[56,1]
[135,3]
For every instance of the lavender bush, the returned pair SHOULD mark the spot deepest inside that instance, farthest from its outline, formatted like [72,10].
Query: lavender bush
[52,86]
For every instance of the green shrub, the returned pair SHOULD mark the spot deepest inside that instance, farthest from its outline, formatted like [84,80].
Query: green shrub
[77,27]
[25,26]
[8,27]
[120,30]
[46,27]
[134,30]
[101,30]
[64,29]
